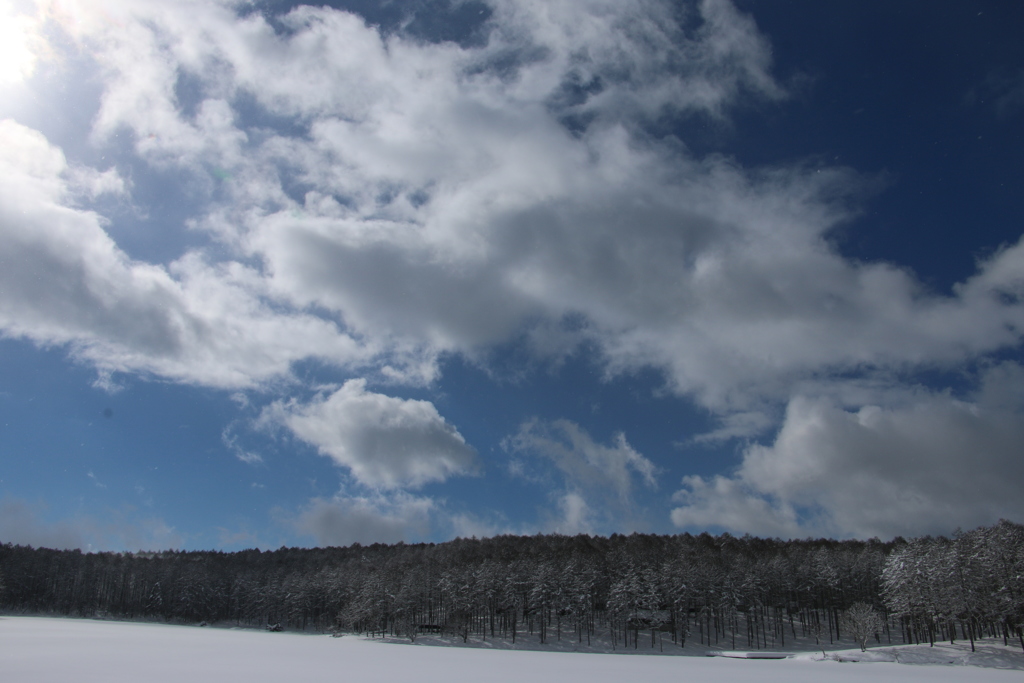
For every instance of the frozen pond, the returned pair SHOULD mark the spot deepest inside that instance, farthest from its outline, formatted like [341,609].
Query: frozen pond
[45,650]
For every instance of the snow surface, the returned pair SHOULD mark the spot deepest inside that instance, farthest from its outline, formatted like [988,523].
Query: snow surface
[47,650]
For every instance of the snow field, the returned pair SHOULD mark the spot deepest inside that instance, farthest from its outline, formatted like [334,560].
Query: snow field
[50,650]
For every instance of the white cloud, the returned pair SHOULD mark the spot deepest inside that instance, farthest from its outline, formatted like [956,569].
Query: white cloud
[22,526]
[25,523]
[65,281]
[21,42]
[384,441]
[393,119]
[389,517]
[584,462]
[596,481]
[726,503]
[344,520]
[230,440]
[927,465]
[736,425]
[433,198]
[575,515]
[623,58]
[400,199]
[468,525]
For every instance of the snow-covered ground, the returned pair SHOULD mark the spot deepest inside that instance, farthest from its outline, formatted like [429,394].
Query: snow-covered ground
[44,650]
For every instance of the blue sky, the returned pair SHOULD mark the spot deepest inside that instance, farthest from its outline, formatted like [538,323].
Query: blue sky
[274,274]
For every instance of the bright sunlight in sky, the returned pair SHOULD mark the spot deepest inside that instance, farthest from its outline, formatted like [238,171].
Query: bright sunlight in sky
[16,35]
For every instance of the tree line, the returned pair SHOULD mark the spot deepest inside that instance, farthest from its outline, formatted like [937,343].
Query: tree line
[639,590]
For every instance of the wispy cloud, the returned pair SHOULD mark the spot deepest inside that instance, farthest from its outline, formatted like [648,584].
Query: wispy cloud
[28,523]
[594,487]
[230,440]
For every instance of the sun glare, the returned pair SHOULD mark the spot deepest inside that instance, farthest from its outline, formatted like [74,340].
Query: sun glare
[17,32]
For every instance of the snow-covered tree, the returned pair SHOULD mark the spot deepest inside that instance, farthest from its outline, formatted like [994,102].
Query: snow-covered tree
[861,622]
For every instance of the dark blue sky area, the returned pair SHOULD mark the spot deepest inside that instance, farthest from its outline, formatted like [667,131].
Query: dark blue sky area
[916,96]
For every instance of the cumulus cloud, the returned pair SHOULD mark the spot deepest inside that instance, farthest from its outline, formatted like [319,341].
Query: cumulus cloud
[380,200]
[437,197]
[425,164]
[384,441]
[65,281]
[596,481]
[927,465]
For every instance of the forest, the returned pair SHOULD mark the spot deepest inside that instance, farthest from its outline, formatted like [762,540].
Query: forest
[639,590]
